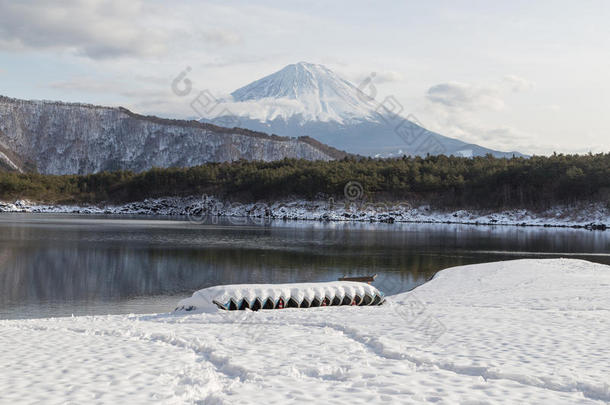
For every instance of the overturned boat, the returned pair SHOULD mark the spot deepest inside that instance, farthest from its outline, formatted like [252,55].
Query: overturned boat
[280,296]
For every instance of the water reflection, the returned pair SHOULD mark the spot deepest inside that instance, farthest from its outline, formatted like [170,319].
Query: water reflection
[57,265]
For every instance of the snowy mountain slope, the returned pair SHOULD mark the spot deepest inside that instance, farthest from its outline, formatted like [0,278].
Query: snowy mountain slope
[309,99]
[62,138]
[7,164]
[371,138]
[310,91]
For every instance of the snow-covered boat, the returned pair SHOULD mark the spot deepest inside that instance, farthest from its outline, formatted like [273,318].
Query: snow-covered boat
[279,296]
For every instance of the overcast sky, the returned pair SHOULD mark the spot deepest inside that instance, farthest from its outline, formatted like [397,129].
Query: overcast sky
[532,76]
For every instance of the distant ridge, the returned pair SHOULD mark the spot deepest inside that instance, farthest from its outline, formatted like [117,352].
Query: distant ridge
[73,138]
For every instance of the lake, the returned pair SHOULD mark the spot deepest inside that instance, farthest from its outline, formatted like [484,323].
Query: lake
[59,265]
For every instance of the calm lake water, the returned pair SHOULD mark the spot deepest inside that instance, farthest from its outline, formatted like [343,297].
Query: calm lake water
[58,265]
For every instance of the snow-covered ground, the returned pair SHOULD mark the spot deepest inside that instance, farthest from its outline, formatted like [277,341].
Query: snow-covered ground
[515,332]
[590,215]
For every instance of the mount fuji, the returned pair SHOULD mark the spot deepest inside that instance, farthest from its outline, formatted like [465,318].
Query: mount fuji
[306,99]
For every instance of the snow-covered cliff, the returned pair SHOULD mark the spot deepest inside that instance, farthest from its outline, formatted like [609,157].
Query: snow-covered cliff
[61,138]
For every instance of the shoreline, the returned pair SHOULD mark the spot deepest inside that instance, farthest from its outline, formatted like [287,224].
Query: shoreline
[590,216]
[510,335]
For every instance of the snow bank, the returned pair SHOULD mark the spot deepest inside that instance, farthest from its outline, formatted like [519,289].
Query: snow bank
[515,332]
[198,209]
[301,295]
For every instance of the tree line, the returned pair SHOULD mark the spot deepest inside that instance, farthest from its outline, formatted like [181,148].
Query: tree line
[480,182]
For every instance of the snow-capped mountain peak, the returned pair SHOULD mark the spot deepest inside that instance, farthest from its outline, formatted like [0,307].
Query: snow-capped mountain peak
[293,81]
[308,91]
[306,99]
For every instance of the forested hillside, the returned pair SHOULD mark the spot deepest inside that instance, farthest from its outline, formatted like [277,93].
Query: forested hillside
[71,138]
[483,182]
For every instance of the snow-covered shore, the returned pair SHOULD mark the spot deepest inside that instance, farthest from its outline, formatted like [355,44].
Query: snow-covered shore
[515,332]
[200,209]
[591,215]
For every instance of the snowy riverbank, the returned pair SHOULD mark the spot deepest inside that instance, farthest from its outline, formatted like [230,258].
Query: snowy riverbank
[591,216]
[526,331]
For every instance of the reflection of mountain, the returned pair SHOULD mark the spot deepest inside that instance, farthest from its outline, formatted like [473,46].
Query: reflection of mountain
[90,273]
[74,273]
[80,260]
[62,263]
[309,99]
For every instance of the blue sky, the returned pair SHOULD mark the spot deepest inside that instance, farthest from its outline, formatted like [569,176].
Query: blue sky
[521,75]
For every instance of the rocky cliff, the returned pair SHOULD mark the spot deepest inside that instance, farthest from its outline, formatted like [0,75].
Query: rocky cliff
[62,138]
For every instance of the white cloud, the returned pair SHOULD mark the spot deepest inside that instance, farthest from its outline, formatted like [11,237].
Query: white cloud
[468,111]
[388,76]
[495,131]
[472,97]
[145,88]
[376,77]
[222,37]
[468,128]
[103,29]
[97,29]
[518,84]
[466,96]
